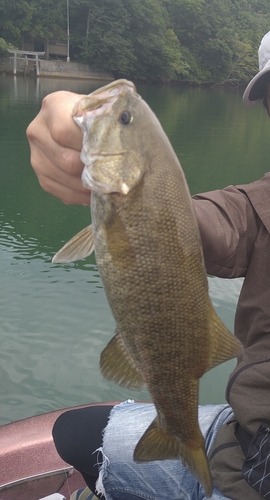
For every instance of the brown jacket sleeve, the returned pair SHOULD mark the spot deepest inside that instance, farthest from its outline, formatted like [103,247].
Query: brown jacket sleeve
[228,225]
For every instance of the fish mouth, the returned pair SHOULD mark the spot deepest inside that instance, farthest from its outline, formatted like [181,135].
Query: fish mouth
[94,156]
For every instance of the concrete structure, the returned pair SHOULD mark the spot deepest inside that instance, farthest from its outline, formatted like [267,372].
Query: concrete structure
[72,70]
[58,69]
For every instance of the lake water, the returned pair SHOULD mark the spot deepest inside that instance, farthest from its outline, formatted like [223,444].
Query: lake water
[55,319]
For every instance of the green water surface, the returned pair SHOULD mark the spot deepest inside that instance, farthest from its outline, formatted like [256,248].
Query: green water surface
[55,320]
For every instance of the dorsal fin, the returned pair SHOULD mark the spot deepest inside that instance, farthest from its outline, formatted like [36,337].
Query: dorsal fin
[224,345]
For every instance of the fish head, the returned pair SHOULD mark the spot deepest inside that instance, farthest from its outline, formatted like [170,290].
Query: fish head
[112,120]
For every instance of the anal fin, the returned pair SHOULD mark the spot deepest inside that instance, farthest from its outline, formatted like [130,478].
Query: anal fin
[116,364]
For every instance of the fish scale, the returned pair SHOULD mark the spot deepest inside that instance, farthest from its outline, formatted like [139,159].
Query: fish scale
[149,255]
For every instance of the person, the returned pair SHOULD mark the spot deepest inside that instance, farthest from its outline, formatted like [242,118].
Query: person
[235,230]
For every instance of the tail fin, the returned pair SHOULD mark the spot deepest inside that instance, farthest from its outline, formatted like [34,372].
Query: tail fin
[156,444]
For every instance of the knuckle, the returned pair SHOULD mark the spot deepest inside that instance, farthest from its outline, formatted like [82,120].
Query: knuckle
[58,132]
[30,132]
[34,162]
[44,183]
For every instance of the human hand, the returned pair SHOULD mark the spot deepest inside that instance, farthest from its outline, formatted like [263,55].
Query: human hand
[55,143]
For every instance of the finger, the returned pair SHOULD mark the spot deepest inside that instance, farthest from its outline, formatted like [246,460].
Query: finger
[64,130]
[65,194]
[43,146]
[58,182]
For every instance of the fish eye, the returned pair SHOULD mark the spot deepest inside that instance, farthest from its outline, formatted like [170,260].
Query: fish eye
[125,117]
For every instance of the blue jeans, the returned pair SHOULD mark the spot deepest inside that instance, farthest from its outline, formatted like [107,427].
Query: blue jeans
[121,478]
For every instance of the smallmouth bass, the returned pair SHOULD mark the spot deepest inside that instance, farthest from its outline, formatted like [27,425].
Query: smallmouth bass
[149,255]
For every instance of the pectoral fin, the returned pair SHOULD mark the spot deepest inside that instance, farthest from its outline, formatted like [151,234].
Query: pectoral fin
[79,247]
[116,364]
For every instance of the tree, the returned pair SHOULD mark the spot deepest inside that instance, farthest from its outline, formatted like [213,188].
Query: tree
[49,19]
[129,38]
[32,19]
[219,38]
[15,19]
[4,46]
[99,34]
[155,45]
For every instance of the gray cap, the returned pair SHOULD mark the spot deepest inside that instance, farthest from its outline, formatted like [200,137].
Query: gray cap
[256,87]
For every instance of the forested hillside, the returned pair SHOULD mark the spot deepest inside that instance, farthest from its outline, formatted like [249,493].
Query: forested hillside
[192,41]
